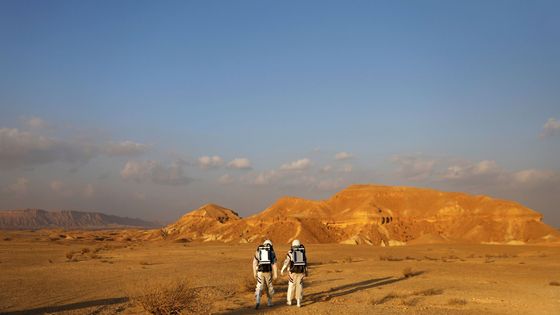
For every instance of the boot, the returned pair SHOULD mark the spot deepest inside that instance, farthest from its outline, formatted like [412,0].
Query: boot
[289,302]
[269,302]
[298,303]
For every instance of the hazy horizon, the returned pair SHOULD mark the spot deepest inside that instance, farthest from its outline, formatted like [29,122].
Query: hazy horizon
[149,110]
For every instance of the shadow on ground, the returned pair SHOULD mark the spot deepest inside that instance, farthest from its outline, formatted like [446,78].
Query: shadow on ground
[328,294]
[69,307]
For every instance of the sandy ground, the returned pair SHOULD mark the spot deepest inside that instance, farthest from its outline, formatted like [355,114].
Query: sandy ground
[37,277]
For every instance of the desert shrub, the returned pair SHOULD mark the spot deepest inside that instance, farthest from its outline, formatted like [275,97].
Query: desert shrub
[390,258]
[145,263]
[385,299]
[182,240]
[69,255]
[7,239]
[347,259]
[554,283]
[457,301]
[165,298]
[246,284]
[85,250]
[412,301]
[408,272]
[429,292]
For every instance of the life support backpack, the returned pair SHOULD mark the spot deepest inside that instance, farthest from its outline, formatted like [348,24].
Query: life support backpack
[299,261]
[265,255]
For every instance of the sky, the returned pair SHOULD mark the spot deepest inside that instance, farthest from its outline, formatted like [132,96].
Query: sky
[153,108]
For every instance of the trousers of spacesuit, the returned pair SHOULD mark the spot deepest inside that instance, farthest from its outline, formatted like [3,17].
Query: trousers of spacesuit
[295,285]
[264,279]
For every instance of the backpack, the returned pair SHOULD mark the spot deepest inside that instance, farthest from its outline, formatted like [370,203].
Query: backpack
[265,255]
[299,260]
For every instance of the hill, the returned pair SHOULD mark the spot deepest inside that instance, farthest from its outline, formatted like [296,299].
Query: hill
[31,219]
[375,215]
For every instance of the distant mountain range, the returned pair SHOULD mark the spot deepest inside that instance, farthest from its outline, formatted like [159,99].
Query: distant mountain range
[30,219]
[375,215]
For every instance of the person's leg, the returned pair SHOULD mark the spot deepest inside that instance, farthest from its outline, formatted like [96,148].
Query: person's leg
[270,287]
[298,280]
[290,295]
[258,288]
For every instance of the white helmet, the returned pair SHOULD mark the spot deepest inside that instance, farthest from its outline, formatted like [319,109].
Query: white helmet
[267,242]
[296,243]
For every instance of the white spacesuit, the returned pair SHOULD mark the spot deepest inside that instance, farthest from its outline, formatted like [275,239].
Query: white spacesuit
[296,261]
[264,271]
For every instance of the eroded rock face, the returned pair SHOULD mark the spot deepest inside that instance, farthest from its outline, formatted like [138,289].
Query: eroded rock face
[375,215]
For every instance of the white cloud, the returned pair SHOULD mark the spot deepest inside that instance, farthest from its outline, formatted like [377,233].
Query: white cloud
[535,177]
[267,177]
[326,168]
[125,148]
[240,163]
[207,162]
[298,165]
[340,156]
[60,188]
[19,188]
[330,184]
[35,123]
[226,179]
[24,148]
[469,170]
[414,167]
[89,191]
[347,168]
[550,128]
[141,171]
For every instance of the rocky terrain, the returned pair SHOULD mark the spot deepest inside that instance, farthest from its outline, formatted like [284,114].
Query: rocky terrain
[375,215]
[31,219]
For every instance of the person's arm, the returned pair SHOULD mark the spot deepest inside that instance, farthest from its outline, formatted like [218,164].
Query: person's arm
[255,265]
[286,263]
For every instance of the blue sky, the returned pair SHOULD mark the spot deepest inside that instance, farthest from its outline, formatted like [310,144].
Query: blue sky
[444,94]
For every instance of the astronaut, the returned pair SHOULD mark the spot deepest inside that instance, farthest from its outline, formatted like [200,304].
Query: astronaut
[264,271]
[296,261]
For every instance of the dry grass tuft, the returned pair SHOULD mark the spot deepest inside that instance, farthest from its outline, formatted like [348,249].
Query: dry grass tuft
[69,255]
[385,299]
[390,258]
[347,259]
[554,283]
[457,301]
[167,298]
[429,292]
[412,301]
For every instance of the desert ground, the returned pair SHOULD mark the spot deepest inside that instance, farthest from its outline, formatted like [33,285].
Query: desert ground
[44,272]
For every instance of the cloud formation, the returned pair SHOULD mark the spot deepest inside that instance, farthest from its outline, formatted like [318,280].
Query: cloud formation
[125,148]
[24,148]
[298,165]
[550,128]
[207,162]
[153,171]
[414,168]
[340,156]
[226,179]
[240,163]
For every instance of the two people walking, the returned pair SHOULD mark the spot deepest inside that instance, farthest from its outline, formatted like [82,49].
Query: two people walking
[265,271]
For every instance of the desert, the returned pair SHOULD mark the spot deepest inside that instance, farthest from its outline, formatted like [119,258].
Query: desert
[426,270]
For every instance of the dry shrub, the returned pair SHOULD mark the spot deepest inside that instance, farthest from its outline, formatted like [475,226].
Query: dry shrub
[385,299]
[246,284]
[69,255]
[7,239]
[165,298]
[412,301]
[429,292]
[456,301]
[390,258]
[408,272]
[347,259]
[554,283]
[85,250]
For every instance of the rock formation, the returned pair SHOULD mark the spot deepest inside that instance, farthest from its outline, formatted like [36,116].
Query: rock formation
[375,215]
